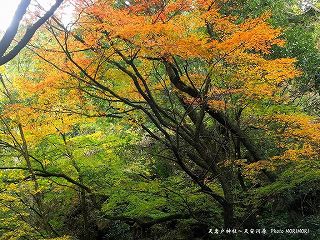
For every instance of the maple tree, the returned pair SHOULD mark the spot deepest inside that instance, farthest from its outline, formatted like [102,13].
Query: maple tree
[231,66]
[208,88]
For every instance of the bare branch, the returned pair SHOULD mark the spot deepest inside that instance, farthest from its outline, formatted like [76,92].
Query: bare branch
[13,29]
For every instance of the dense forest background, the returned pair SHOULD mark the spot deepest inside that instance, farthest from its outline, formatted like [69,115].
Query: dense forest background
[161,119]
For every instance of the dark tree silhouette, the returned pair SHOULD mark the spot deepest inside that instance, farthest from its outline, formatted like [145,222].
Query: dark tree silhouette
[7,40]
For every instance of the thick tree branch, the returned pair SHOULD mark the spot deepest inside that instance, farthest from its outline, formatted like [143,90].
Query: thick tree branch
[43,173]
[13,29]
[14,25]
[217,115]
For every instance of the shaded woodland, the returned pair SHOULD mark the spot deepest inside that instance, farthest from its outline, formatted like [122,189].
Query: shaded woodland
[160,119]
